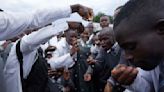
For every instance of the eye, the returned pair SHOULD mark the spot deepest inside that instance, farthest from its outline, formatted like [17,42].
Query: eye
[129,46]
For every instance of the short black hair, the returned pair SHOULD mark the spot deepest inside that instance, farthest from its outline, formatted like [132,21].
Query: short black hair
[109,32]
[104,16]
[138,6]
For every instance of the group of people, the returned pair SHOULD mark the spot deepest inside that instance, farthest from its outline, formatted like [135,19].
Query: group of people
[37,55]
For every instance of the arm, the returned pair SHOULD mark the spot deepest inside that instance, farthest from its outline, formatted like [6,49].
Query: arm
[11,24]
[31,42]
[99,64]
[58,61]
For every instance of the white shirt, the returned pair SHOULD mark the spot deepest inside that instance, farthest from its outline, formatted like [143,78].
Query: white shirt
[11,24]
[28,46]
[61,56]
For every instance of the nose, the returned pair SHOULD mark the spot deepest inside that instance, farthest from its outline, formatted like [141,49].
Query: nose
[102,42]
[74,38]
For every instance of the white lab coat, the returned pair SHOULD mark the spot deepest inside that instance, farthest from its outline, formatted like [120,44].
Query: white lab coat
[11,24]
[28,46]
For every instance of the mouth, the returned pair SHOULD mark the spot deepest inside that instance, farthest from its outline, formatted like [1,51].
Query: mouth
[104,46]
[145,65]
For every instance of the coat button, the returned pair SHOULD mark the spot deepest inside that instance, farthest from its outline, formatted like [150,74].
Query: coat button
[75,75]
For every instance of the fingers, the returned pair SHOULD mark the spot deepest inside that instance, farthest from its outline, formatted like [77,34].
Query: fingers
[118,70]
[124,74]
[90,14]
[132,77]
[108,87]
[66,74]
[85,12]
[90,61]
[87,77]
[74,43]
[52,73]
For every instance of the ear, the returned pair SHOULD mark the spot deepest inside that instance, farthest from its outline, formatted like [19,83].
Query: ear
[160,27]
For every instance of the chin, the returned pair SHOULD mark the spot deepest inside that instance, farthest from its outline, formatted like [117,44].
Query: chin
[146,65]
[148,68]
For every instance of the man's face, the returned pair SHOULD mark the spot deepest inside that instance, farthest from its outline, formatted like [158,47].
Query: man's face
[104,21]
[96,40]
[71,36]
[90,28]
[85,36]
[142,44]
[106,41]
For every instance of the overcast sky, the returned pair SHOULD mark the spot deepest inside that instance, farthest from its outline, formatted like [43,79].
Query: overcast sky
[105,6]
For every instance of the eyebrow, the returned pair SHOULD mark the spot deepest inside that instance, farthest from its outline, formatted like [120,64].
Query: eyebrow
[125,44]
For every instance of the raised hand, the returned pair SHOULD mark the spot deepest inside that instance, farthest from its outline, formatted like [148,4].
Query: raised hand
[124,75]
[83,11]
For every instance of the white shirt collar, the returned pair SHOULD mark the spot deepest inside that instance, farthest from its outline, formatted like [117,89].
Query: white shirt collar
[114,47]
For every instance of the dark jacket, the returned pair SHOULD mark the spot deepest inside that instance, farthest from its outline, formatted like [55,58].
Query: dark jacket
[79,70]
[106,61]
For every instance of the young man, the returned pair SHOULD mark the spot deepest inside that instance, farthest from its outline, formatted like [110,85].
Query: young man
[104,22]
[66,50]
[95,48]
[81,65]
[90,28]
[139,31]
[11,25]
[65,54]
[106,60]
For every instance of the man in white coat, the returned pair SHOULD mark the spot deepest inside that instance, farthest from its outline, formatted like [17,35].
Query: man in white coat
[28,47]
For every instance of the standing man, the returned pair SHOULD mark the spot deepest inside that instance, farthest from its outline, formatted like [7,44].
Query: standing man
[106,60]
[14,71]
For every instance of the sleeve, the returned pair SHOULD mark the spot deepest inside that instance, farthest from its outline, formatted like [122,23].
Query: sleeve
[31,42]
[11,24]
[58,61]
[143,80]
[100,59]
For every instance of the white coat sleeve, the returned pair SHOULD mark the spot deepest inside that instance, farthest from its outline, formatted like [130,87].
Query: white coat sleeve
[31,42]
[11,24]
[65,61]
